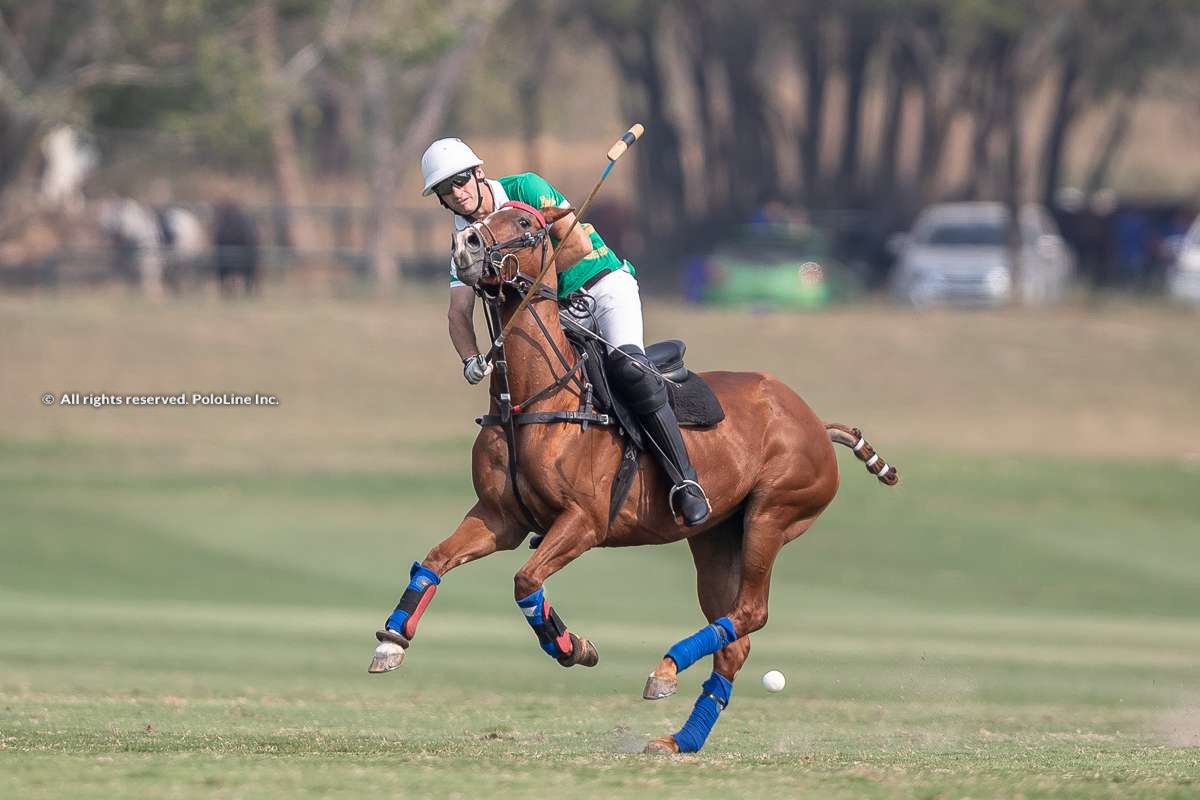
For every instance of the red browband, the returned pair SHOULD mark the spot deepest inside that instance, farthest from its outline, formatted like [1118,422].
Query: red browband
[529,208]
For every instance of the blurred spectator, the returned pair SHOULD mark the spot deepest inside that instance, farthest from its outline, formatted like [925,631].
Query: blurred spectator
[1096,251]
[134,233]
[1134,244]
[1175,231]
[1170,245]
[771,211]
[235,244]
[1069,209]
[68,160]
[696,278]
[183,242]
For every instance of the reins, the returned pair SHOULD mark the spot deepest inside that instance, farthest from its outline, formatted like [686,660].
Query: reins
[498,255]
[524,286]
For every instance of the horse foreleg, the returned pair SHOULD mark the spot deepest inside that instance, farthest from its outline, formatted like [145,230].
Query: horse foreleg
[718,557]
[571,535]
[481,533]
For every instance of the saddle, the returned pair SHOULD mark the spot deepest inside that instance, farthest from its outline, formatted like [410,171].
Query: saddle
[690,396]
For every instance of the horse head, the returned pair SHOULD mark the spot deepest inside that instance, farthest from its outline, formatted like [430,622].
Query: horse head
[510,244]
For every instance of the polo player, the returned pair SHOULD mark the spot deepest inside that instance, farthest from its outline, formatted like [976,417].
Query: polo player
[455,175]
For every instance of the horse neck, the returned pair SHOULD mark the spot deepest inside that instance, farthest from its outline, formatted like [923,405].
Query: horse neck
[532,362]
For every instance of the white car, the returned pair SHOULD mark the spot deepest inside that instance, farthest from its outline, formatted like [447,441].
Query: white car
[957,254]
[1183,282]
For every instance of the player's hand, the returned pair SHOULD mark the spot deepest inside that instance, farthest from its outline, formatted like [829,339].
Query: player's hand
[476,368]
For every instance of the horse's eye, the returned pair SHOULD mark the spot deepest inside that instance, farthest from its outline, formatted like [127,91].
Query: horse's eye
[524,223]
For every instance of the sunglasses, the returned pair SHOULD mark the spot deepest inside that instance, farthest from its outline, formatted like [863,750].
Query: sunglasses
[454,182]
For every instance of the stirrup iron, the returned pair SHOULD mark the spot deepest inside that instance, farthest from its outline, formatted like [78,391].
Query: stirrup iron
[680,487]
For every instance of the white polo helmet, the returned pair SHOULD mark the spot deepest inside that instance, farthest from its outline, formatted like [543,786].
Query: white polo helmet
[444,158]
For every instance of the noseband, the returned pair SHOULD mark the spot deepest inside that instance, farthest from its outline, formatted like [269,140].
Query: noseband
[500,258]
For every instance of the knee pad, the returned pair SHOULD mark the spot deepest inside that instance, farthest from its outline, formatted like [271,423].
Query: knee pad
[637,383]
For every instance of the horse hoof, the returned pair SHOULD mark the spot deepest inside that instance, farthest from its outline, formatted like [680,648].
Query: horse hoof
[583,653]
[589,656]
[388,656]
[657,688]
[662,745]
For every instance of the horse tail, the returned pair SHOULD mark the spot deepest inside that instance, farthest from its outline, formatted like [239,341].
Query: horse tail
[853,438]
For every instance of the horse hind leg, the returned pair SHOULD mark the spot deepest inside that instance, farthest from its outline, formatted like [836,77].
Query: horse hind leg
[765,534]
[717,554]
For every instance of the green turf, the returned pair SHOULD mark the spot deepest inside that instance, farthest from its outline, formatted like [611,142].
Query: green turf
[994,627]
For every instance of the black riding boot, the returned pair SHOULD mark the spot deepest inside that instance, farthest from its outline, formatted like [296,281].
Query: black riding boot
[645,393]
[687,497]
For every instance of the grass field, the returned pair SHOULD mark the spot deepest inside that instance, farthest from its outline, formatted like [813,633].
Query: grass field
[187,596]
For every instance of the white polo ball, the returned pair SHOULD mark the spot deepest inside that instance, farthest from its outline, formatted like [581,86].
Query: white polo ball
[774,681]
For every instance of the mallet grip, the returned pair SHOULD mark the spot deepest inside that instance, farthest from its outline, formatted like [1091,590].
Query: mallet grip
[628,138]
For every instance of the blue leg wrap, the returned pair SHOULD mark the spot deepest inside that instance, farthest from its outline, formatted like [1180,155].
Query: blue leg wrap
[714,697]
[551,632]
[410,605]
[702,643]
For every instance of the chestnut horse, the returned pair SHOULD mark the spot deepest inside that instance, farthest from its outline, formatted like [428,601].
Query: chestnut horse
[769,470]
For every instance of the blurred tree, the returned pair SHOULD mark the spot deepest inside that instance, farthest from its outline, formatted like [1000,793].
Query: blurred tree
[446,39]
[698,36]
[53,53]
[535,22]
[289,180]
[897,79]
[632,30]
[861,22]
[1125,43]
[810,23]
[750,156]
[1107,49]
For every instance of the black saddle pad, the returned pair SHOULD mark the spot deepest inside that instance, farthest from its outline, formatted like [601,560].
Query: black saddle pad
[694,402]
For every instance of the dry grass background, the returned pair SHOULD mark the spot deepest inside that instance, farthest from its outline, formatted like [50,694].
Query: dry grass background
[369,384]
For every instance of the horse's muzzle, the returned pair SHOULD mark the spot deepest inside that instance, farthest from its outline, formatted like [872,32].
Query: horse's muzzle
[468,255]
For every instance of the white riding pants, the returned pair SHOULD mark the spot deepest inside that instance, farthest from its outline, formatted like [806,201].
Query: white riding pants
[618,314]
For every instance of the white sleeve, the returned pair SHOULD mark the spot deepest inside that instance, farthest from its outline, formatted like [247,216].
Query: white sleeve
[459,224]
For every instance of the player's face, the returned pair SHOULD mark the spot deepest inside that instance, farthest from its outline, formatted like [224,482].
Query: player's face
[461,192]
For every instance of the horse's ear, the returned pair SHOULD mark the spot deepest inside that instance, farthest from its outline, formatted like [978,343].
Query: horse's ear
[554,213]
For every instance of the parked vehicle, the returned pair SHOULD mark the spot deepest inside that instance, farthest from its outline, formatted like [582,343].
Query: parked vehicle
[1183,280]
[769,266]
[958,254]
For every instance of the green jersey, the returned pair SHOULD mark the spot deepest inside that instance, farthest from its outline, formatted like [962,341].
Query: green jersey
[534,190]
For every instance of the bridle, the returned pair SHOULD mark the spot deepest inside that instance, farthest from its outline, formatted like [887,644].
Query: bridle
[502,268]
[501,263]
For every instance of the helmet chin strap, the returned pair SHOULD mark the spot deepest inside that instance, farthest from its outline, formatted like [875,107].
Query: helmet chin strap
[478,202]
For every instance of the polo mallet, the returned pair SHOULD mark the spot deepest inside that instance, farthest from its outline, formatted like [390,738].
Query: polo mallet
[616,151]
